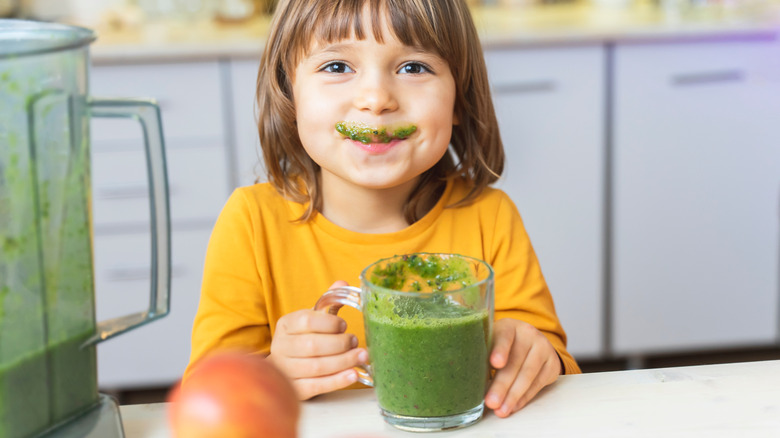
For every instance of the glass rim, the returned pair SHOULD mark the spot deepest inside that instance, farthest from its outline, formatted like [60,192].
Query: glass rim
[42,37]
[489,278]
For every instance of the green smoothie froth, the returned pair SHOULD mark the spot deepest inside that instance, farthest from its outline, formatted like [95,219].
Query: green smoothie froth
[424,273]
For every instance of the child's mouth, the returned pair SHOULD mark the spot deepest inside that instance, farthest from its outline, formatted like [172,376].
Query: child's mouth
[371,135]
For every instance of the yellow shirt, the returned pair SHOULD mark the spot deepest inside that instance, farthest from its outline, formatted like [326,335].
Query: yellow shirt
[261,264]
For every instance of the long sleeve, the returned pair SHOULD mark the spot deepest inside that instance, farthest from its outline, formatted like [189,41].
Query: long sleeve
[232,310]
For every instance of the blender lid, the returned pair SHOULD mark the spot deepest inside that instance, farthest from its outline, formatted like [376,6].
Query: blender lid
[24,37]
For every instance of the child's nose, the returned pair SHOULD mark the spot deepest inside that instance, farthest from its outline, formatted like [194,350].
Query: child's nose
[376,96]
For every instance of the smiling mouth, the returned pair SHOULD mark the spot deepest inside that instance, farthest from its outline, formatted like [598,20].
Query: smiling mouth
[370,134]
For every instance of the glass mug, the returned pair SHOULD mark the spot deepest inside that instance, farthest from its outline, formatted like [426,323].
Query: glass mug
[429,322]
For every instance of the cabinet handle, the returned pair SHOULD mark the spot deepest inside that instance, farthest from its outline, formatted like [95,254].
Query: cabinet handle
[139,273]
[127,192]
[540,86]
[709,77]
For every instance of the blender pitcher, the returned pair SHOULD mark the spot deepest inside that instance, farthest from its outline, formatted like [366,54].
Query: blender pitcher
[48,332]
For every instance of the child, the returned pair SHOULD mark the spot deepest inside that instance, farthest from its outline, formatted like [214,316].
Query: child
[379,138]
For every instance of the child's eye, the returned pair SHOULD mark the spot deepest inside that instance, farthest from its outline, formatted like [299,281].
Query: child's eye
[414,68]
[337,67]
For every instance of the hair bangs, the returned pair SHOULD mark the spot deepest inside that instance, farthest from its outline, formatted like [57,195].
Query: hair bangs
[420,24]
[414,23]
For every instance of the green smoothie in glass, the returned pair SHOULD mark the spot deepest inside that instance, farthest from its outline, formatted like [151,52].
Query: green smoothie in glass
[428,320]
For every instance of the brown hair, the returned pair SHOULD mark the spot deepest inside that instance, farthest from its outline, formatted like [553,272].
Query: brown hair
[444,27]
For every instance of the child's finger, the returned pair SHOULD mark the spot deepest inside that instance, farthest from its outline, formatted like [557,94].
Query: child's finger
[542,379]
[338,283]
[309,321]
[300,368]
[318,345]
[314,345]
[529,371]
[503,381]
[308,388]
[503,338]
[501,390]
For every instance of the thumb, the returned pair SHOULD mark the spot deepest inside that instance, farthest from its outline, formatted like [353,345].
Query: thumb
[338,283]
[333,308]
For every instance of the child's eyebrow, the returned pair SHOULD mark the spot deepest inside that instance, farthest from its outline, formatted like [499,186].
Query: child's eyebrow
[338,46]
[330,48]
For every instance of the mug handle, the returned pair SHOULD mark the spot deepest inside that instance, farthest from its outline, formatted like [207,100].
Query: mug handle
[333,300]
[147,113]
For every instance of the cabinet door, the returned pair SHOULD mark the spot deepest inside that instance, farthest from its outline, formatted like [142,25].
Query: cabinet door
[197,186]
[696,195]
[190,96]
[191,99]
[155,354]
[248,156]
[550,109]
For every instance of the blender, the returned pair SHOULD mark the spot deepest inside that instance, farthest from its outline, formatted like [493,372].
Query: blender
[48,331]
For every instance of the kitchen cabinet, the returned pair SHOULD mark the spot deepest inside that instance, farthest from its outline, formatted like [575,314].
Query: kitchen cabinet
[551,112]
[155,354]
[696,196]
[674,145]
[191,99]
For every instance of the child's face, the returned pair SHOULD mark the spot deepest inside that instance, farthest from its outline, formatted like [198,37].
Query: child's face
[387,85]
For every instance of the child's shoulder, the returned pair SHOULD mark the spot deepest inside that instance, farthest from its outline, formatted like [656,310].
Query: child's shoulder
[488,197]
[264,191]
[263,197]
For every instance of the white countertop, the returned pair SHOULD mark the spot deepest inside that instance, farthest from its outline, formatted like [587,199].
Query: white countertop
[730,400]
[579,22]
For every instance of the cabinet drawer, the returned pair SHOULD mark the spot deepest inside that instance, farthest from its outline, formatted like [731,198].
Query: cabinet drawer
[696,68]
[535,71]
[189,96]
[157,353]
[197,179]
[122,264]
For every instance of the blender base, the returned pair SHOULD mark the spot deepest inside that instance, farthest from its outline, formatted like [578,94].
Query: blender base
[101,421]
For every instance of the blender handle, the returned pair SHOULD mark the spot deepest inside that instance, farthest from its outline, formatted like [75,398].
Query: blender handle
[147,113]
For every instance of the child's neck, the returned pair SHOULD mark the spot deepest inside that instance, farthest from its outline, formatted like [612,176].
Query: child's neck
[365,210]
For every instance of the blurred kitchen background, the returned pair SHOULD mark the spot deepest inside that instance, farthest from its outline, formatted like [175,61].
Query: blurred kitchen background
[643,150]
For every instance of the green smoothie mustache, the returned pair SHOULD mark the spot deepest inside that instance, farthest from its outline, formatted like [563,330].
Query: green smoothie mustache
[374,134]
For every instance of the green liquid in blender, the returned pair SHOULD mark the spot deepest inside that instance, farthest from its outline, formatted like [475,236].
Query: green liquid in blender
[24,397]
[46,278]
[32,399]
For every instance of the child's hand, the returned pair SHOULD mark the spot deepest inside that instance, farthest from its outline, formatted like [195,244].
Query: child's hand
[525,362]
[312,349]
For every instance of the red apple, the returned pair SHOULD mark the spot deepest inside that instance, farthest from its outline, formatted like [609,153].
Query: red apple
[234,394]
